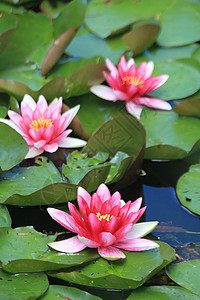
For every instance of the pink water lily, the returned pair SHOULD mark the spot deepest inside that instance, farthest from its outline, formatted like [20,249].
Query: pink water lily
[105,222]
[130,84]
[42,126]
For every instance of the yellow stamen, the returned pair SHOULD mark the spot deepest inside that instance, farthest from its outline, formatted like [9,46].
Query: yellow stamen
[133,80]
[106,217]
[41,123]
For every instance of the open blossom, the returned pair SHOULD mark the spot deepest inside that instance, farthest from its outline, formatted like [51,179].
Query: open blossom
[42,126]
[106,222]
[130,84]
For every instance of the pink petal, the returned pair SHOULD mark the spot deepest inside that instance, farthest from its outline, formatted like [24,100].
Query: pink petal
[56,109]
[61,217]
[121,95]
[149,69]
[140,230]
[69,115]
[103,192]
[42,104]
[162,79]
[122,232]
[95,226]
[123,64]
[135,206]
[82,193]
[111,67]
[155,103]
[104,92]
[116,197]
[89,243]
[111,253]
[28,100]
[134,109]
[71,245]
[33,152]
[61,136]
[51,147]
[130,62]
[40,144]
[106,239]
[70,142]
[48,133]
[136,244]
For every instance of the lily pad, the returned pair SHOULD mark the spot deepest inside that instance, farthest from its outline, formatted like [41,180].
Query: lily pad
[142,36]
[188,189]
[8,24]
[188,107]
[5,219]
[162,293]
[22,286]
[186,274]
[78,165]
[37,257]
[66,292]
[85,44]
[169,136]
[13,147]
[180,24]
[4,102]
[184,78]
[124,274]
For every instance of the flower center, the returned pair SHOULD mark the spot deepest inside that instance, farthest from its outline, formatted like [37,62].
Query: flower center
[133,80]
[41,123]
[106,217]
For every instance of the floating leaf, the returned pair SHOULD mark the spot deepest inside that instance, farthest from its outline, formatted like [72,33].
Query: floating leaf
[57,49]
[188,107]
[8,24]
[4,102]
[196,54]
[162,293]
[5,219]
[142,36]
[186,274]
[13,147]
[188,189]
[124,274]
[156,53]
[78,165]
[174,33]
[66,292]
[72,15]
[184,78]
[107,17]
[85,44]
[168,135]
[22,286]
[37,257]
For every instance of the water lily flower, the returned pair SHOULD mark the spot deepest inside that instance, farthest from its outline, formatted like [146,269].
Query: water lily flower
[106,222]
[130,84]
[42,126]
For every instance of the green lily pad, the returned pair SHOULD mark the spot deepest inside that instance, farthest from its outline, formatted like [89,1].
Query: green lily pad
[37,257]
[174,33]
[188,189]
[156,53]
[35,185]
[66,292]
[142,36]
[188,107]
[13,147]
[184,78]
[4,102]
[78,165]
[107,17]
[169,136]
[186,274]
[8,24]
[74,13]
[124,274]
[196,54]
[162,293]
[5,219]
[22,286]
[50,10]
[85,44]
